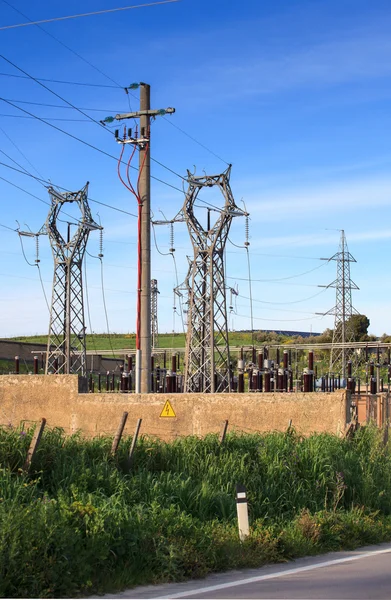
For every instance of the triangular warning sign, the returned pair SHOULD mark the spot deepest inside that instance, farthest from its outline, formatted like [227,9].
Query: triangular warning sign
[167,411]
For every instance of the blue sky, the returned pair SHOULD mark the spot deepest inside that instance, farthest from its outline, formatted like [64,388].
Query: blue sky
[294,94]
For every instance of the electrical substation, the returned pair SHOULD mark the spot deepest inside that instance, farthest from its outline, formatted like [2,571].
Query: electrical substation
[207,364]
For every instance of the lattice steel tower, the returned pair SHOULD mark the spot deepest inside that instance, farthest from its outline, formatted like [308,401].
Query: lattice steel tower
[66,350]
[343,309]
[154,321]
[207,357]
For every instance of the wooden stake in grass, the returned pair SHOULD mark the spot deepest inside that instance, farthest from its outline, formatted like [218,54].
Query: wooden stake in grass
[34,445]
[134,442]
[118,435]
[223,431]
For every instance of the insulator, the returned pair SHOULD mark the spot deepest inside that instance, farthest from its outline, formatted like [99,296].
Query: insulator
[37,249]
[116,134]
[129,133]
[172,249]
[142,131]
[100,255]
[247,231]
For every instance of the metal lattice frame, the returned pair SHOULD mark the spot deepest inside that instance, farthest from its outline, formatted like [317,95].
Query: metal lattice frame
[343,310]
[207,359]
[154,321]
[66,350]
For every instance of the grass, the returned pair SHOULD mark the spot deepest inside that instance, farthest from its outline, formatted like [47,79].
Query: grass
[80,523]
[101,341]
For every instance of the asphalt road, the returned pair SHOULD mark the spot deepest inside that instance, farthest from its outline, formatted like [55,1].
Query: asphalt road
[363,574]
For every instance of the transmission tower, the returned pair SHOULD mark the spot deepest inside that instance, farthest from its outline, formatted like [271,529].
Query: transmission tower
[66,350]
[154,321]
[343,309]
[207,359]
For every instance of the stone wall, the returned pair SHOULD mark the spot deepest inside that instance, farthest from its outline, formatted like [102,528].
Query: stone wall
[58,399]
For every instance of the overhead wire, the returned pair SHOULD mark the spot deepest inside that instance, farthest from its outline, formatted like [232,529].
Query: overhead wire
[31,22]
[20,152]
[36,264]
[47,105]
[281,320]
[89,14]
[52,92]
[67,133]
[156,246]
[51,184]
[88,301]
[251,296]
[276,309]
[195,140]
[43,288]
[85,115]
[46,121]
[59,119]
[80,83]
[6,227]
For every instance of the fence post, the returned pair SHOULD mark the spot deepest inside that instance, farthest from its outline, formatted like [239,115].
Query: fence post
[242,512]
[223,431]
[134,442]
[118,435]
[34,444]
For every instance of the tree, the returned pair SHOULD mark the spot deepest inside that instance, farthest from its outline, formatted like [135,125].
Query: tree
[359,324]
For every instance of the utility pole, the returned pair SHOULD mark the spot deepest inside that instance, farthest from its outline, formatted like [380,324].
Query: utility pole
[143,353]
[343,310]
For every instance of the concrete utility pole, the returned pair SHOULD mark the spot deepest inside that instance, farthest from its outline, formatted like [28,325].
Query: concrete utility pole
[144,192]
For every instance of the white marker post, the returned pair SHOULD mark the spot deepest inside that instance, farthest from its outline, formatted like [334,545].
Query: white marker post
[242,510]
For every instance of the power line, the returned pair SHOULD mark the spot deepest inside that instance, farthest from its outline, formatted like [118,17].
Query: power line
[280,320]
[85,143]
[285,310]
[81,83]
[60,187]
[251,295]
[23,190]
[59,105]
[48,118]
[89,14]
[20,152]
[92,120]
[195,140]
[31,22]
[281,278]
[6,227]
[51,91]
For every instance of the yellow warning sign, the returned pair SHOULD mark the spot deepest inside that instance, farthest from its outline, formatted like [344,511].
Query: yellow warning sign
[167,411]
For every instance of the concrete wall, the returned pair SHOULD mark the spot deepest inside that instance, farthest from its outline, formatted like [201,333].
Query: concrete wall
[372,407]
[58,399]
[26,351]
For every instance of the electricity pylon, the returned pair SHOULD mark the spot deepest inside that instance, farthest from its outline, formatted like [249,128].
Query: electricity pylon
[154,321]
[343,310]
[207,360]
[66,350]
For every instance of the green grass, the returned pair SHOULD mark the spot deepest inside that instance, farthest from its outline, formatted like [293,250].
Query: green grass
[80,523]
[101,341]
